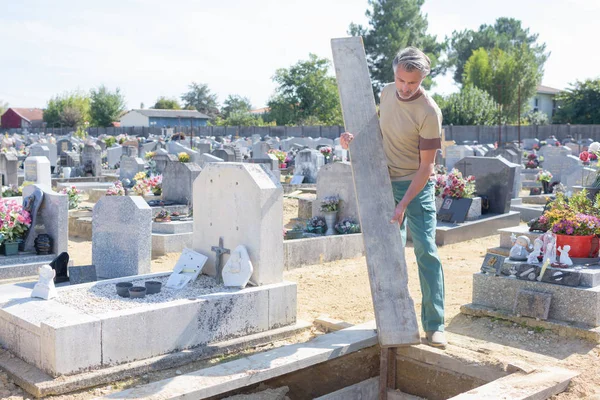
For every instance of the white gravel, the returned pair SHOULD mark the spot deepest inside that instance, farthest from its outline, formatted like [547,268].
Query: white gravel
[103,297]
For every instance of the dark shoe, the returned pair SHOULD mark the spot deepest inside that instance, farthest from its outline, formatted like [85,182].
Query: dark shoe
[436,339]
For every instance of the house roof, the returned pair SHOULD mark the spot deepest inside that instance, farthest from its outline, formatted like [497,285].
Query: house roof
[151,112]
[30,114]
[547,90]
[260,110]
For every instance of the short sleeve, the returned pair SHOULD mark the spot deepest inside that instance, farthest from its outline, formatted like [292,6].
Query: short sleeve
[430,134]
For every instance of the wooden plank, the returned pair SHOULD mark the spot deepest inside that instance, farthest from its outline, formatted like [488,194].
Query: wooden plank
[394,308]
[537,385]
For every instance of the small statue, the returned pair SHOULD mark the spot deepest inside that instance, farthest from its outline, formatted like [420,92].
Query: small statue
[519,250]
[537,250]
[45,288]
[564,255]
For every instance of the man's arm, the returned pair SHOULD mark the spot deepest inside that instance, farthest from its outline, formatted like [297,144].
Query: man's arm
[426,168]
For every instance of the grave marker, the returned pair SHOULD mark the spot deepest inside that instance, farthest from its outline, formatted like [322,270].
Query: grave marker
[37,170]
[394,308]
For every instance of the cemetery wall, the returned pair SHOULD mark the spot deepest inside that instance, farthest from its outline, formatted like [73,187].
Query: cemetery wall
[507,133]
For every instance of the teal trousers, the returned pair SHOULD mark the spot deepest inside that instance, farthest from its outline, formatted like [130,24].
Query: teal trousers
[421,218]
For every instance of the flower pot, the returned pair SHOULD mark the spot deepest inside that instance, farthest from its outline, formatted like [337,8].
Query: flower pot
[581,246]
[330,220]
[153,287]
[66,172]
[546,187]
[123,288]
[10,248]
[137,292]
[294,234]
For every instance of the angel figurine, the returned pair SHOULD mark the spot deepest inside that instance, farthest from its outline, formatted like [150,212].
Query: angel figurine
[564,255]
[519,250]
[537,250]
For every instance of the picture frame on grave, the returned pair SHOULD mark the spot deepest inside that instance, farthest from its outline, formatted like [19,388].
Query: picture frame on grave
[454,210]
[492,264]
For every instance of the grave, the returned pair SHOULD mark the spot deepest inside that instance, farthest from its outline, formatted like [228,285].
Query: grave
[9,164]
[307,163]
[336,180]
[121,236]
[453,154]
[226,154]
[130,166]
[113,155]
[37,170]
[91,160]
[178,180]
[260,150]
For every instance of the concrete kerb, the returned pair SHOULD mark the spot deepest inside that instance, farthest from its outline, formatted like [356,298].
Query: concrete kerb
[40,384]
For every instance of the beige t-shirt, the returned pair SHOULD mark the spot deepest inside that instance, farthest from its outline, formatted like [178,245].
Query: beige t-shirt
[408,127]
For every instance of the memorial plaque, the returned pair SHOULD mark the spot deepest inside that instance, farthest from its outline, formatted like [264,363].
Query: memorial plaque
[532,304]
[492,264]
[30,172]
[454,210]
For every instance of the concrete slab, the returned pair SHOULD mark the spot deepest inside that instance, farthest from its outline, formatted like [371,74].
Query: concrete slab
[39,384]
[163,243]
[246,371]
[23,265]
[173,227]
[311,251]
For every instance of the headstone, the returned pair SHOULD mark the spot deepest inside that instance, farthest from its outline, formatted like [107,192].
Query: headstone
[38,150]
[161,159]
[178,181]
[494,178]
[206,158]
[454,210]
[308,162]
[238,269]
[9,164]
[260,150]
[336,180]
[121,236]
[51,217]
[91,158]
[128,150]
[580,176]
[561,165]
[53,156]
[63,145]
[82,274]
[532,304]
[227,154]
[456,153]
[113,156]
[130,166]
[203,147]
[243,204]
[37,170]
[297,180]
[70,159]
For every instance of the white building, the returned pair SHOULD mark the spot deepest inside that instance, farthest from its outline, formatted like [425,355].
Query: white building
[544,101]
[163,118]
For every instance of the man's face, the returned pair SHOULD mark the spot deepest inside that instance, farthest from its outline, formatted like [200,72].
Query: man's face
[407,83]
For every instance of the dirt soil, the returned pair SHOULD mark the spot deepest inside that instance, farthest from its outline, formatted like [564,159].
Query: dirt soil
[341,290]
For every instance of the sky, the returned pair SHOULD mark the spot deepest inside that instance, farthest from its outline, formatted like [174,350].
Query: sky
[151,48]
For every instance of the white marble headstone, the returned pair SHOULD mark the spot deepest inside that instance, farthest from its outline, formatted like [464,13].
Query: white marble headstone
[238,269]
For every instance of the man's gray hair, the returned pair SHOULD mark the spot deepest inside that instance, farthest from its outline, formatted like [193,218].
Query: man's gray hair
[412,59]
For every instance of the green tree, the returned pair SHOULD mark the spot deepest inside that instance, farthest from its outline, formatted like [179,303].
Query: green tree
[3,107]
[200,98]
[306,90]
[471,106]
[106,106]
[580,104]
[235,104]
[393,25]
[501,74]
[70,109]
[240,118]
[164,103]
[505,34]
[536,118]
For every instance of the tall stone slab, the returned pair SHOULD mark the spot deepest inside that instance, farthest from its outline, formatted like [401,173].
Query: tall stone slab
[336,180]
[91,160]
[121,236]
[37,170]
[307,163]
[52,218]
[9,164]
[130,166]
[178,181]
[394,308]
[494,178]
[243,204]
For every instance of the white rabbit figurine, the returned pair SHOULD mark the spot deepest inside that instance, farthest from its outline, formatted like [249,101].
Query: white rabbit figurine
[564,255]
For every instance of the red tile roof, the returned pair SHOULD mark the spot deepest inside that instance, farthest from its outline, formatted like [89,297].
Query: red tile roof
[30,114]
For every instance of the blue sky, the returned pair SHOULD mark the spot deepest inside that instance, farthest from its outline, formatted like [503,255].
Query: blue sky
[154,48]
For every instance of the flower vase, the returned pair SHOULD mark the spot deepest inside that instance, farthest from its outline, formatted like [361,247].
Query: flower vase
[330,220]
[546,187]
[10,248]
[581,246]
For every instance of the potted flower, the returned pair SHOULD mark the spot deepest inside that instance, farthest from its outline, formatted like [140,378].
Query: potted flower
[162,216]
[14,223]
[74,195]
[326,151]
[183,157]
[329,208]
[347,226]
[316,225]
[281,156]
[116,189]
[544,177]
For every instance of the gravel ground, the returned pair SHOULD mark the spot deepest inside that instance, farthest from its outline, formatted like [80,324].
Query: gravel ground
[103,298]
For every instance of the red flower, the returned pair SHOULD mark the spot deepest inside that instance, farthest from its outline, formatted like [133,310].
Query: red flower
[593,156]
[584,156]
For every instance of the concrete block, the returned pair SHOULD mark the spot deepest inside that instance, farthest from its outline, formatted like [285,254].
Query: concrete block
[170,243]
[570,304]
[282,305]
[336,180]
[173,227]
[243,204]
[322,249]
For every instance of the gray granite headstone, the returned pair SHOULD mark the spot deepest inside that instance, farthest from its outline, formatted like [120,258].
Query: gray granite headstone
[39,150]
[260,150]
[456,153]
[307,163]
[532,304]
[63,145]
[113,155]
[207,158]
[82,274]
[529,143]
[91,158]
[227,154]
[561,165]
[494,178]
[161,158]
[9,164]
[130,166]
[178,181]
[121,236]
[336,180]
[52,217]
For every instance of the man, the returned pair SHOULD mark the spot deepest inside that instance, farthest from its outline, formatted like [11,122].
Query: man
[411,127]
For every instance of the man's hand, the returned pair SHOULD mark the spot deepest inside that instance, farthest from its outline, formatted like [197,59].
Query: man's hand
[398,214]
[345,139]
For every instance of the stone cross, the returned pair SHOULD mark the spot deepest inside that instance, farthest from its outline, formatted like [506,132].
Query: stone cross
[219,250]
